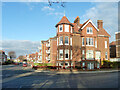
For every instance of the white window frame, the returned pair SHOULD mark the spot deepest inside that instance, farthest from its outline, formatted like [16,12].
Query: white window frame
[105,44]
[71,41]
[96,55]
[88,55]
[83,53]
[71,29]
[62,28]
[61,50]
[71,54]
[95,43]
[91,40]
[83,41]
[68,41]
[60,40]
[66,28]
[89,28]
[65,54]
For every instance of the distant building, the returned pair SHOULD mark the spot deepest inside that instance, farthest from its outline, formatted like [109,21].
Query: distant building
[3,56]
[117,44]
[113,49]
[49,48]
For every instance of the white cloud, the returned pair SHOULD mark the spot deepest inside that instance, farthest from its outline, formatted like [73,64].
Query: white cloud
[47,8]
[108,12]
[21,47]
[55,13]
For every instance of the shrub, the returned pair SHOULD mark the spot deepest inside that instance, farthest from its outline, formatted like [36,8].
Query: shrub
[78,67]
[8,62]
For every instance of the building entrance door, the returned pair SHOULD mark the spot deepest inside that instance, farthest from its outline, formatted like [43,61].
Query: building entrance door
[90,66]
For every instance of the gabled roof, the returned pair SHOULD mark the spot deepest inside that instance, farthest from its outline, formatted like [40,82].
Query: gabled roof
[64,20]
[88,21]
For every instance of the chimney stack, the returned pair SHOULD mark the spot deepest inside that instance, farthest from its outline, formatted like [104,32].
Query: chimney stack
[77,20]
[100,24]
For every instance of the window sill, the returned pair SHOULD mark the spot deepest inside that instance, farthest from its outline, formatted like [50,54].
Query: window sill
[66,58]
[60,44]
[66,44]
[89,33]
[90,45]
[60,59]
[60,31]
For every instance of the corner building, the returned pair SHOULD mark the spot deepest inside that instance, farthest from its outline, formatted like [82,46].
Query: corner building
[78,44]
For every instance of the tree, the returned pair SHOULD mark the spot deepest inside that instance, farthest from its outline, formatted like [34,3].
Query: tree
[21,57]
[12,55]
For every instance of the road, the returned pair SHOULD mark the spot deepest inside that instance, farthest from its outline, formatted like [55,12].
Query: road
[15,76]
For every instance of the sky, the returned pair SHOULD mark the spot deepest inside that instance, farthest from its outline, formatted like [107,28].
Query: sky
[25,24]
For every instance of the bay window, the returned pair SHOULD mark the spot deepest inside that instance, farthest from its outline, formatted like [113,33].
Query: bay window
[60,28]
[66,54]
[70,41]
[60,54]
[60,40]
[71,29]
[66,40]
[66,28]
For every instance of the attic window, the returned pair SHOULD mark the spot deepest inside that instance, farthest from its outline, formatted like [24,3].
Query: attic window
[89,30]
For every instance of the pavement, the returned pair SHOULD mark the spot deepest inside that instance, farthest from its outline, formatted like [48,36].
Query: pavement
[26,77]
[68,72]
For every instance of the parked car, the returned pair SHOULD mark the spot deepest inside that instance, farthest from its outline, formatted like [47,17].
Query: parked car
[24,64]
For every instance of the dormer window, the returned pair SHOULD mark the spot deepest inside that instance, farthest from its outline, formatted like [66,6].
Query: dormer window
[60,28]
[89,30]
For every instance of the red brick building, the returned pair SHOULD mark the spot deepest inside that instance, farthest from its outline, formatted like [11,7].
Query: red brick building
[84,44]
[117,44]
